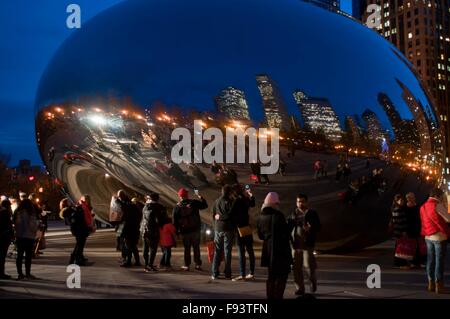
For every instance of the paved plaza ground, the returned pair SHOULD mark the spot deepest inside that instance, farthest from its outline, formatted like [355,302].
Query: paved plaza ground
[339,276]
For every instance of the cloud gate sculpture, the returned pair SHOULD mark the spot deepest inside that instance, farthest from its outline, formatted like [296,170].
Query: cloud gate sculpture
[356,126]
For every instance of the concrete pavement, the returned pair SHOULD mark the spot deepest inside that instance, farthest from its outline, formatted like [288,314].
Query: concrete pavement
[340,276]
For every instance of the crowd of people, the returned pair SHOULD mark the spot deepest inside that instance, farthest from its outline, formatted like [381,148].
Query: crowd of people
[370,183]
[421,233]
[231,222]
[23,223]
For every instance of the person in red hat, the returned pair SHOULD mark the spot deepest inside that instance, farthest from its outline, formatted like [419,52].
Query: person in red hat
[186,219]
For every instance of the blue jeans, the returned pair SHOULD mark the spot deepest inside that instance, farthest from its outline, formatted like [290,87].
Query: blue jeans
[436,251]
[222,241]
[165,259]
[246,243]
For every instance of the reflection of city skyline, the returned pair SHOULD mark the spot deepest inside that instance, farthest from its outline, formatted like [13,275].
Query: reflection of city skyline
[318,115]
[116,130]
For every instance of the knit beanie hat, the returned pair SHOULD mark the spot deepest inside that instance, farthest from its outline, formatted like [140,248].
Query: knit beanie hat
[271,199]
[183,193]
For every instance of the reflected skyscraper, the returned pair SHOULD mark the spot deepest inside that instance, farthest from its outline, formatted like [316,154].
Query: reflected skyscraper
[294,124]
[408,134]
[318,115]
[374,128]
[420,120]
[273,104]
[391,112]
[232,103]
[421,31]
[353,129]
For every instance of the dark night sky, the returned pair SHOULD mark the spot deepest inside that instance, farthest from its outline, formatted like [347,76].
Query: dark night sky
[30,33]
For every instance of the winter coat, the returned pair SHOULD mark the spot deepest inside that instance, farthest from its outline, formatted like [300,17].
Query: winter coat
[276,251]
[167,236]
[74,217]
[432,222]
[131,221]
[302,239]
[87,213]
[239,210]
[399,221]
[6,225]
[154,217]
[222,207]
[193,222]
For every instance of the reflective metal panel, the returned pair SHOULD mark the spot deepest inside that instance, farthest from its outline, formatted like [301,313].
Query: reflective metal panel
[339,93]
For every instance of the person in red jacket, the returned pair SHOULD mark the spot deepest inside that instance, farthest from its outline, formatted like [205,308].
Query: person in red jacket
[434,217]
[167,240]
[85,204]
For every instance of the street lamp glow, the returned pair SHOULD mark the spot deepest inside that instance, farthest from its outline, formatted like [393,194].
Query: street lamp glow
[97,120]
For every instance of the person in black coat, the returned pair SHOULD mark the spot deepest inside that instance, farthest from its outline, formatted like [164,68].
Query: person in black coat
[6,234]
[154,215]
[276,251]
[224,229]
[244,200]
[130,230]
[414,226]
[187,222]
[74,217]
[400,226]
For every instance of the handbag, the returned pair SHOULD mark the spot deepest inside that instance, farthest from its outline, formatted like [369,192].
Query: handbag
[405,248]
[211,249]
[245,231]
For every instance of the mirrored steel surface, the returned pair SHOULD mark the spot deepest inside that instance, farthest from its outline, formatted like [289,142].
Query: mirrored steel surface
[115,90]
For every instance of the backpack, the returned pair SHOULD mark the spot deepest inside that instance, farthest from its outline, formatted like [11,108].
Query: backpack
[188,220]
[76,220]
